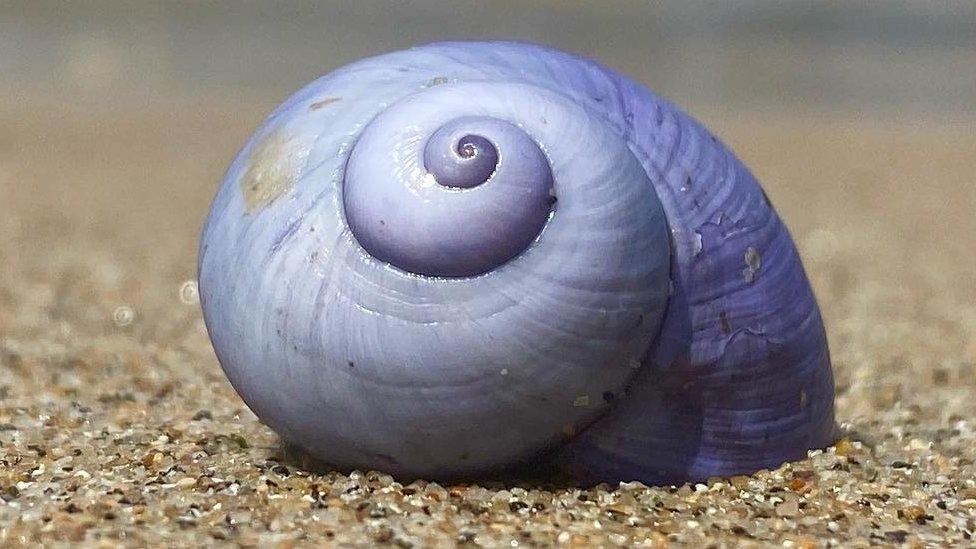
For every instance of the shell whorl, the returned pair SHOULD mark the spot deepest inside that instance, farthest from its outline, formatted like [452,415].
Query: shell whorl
[451,259]
[456,200]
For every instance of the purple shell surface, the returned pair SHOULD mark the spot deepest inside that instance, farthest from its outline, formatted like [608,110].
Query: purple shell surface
[460,257]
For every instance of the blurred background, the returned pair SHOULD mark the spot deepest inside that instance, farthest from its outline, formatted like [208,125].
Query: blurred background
[753,53]
[117,120]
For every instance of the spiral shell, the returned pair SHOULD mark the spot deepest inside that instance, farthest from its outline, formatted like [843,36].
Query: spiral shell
[462,256]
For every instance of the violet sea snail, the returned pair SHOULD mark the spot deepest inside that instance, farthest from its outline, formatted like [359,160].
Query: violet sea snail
[460,257]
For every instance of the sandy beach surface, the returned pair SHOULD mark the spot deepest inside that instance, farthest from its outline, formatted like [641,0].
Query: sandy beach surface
[117,425]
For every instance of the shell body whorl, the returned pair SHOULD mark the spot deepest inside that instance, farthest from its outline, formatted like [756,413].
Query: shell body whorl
[455,258]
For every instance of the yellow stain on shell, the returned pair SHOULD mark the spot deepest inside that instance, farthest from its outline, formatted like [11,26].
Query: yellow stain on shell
[275,164]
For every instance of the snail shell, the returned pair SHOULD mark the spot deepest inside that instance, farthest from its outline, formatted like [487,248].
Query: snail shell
[464,256]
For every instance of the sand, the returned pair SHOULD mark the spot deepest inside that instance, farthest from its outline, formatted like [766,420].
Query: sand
[118,427]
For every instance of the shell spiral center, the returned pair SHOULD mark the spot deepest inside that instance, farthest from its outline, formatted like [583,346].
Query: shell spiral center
[460,201]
